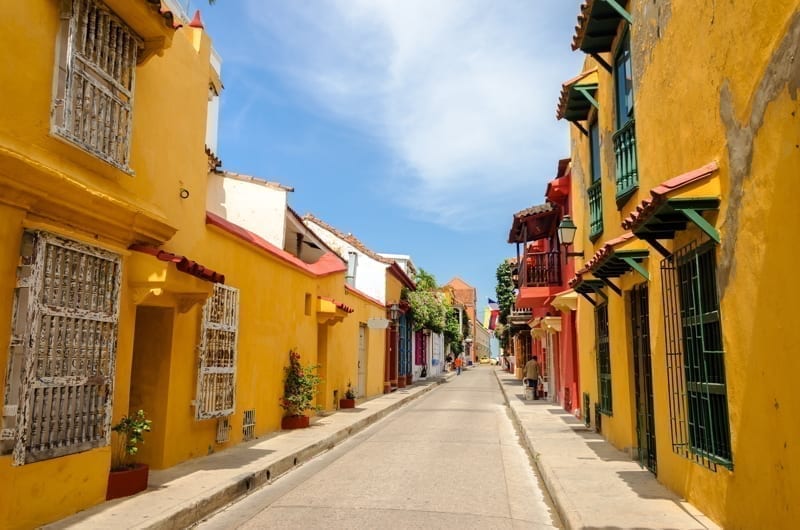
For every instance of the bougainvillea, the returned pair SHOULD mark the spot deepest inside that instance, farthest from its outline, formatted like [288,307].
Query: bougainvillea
[299,386]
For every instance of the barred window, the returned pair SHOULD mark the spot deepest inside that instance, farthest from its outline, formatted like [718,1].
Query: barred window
[695,357]
[216,379]
[61,363]
[603,359]
[96,64]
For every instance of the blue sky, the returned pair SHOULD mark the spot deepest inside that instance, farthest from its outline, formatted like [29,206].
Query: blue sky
[418,126]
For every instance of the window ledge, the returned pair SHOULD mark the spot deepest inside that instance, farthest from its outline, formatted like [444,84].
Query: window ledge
[622,198]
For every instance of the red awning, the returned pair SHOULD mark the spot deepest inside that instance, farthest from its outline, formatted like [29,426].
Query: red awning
[340,305]
[182,263]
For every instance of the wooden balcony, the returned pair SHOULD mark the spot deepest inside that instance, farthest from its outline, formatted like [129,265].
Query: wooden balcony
[542,269]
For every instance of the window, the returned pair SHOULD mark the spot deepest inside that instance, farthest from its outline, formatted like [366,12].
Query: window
[61,363]
[595,190]
[96,63]
[216,380]
[594,150]
[603,359]
[623,82]
[627,174]
[695,356]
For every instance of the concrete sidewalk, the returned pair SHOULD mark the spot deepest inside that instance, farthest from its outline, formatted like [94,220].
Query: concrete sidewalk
[184,494]
[592,484]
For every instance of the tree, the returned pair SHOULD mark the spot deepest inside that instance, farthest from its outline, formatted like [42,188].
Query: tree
[504,291]
[428,306]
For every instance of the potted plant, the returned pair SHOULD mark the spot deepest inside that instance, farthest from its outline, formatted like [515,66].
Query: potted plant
[349,400]
[299,388]
[127,477]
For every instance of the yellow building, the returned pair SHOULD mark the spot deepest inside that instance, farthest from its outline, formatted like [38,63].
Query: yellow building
[123,288]
[686,127]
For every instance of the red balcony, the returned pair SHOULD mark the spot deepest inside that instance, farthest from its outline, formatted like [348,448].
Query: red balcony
[542,269]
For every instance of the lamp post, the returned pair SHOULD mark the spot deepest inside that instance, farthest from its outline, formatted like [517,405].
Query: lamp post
[566,235]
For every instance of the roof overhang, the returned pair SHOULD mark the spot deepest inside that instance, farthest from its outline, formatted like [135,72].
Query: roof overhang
[534,223]
[676,203]
[578,96]
[169,280]
[617,257]
[151,21]
[598,24]
[587,287]
[565,300]
[331,311]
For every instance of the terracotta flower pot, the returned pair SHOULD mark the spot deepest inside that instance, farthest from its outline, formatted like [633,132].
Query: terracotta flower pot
[345,403]
[126,482]
[294,422]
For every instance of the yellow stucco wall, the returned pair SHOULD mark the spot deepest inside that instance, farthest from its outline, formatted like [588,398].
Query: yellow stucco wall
[717,100]
[49,184]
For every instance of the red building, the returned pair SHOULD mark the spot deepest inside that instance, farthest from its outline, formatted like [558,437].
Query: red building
[543,318]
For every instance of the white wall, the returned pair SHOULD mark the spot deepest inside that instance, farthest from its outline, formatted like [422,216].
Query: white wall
[257,207]
[436,361]
[370,273]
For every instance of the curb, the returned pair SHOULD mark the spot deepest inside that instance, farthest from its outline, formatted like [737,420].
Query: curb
[240,488]
[553,487]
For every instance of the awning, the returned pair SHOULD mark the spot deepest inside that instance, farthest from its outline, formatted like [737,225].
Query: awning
[182,263]
[598,24]
[552,323]
[534,223]
[578,96]
[617,257]
[587,286]
[675,203]
[566,300]
[330,311]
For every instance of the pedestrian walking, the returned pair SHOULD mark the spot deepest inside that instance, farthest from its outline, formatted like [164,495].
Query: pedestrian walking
[459,361]
[532,375]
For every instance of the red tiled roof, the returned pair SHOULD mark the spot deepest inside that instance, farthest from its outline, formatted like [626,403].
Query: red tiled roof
[530,217]
[398,272]
[561,109]
[603,252]
[169,18]
[658,195]
[182,263]
[603,18]
[329,263]
[340,305]
[580,27]
[349,238]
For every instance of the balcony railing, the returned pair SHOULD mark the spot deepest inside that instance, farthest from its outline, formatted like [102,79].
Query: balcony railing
[542,269]
[625,152]
[595,210]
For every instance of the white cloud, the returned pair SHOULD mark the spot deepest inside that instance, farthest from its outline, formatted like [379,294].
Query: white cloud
[463,92]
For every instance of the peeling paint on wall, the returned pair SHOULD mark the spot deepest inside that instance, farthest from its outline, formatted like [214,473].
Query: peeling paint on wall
[654,15]
[781,71]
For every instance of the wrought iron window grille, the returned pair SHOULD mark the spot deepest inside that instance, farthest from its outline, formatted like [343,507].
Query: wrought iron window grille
[699,420]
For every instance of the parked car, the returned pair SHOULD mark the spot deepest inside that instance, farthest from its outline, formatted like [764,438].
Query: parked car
[484,360]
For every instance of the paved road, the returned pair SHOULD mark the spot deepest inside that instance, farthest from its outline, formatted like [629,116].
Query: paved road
[451,459]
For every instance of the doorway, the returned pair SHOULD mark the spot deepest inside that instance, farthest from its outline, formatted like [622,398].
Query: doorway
[152,346]
[361,391]
[643,376]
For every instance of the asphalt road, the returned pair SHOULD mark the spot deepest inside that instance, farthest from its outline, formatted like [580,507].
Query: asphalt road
[450,459]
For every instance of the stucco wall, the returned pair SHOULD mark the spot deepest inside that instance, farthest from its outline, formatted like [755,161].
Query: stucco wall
[258,207]
[703,96]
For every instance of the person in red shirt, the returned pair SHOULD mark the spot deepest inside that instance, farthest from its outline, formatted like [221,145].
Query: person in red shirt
[459,362]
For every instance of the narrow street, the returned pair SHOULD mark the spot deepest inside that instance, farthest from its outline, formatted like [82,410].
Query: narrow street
[450,459]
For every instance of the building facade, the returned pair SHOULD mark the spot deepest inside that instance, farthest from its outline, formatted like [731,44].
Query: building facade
[681,199]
